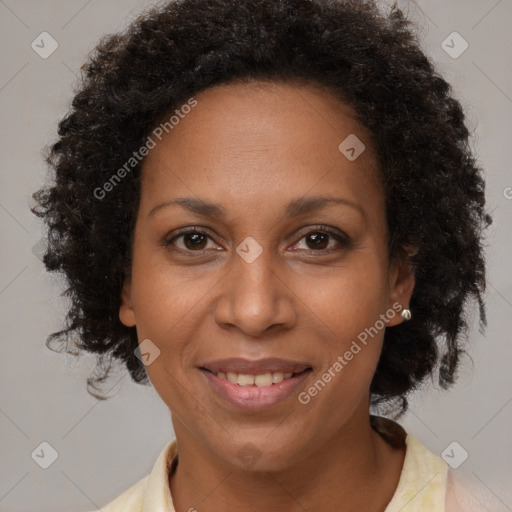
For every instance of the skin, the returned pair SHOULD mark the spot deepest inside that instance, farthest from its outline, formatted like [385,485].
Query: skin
[252,148]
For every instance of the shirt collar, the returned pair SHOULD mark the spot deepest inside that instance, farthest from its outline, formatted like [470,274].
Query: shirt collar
[421,484]
[157,495]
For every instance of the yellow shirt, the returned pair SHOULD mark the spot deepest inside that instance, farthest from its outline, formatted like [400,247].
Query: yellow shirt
[421,488]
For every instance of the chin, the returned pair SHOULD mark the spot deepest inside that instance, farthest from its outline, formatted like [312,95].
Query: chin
[262,455]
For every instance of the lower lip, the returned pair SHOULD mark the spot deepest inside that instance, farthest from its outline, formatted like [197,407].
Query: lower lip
[255,398]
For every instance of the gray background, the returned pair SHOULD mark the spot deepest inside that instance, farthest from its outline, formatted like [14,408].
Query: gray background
[104,447]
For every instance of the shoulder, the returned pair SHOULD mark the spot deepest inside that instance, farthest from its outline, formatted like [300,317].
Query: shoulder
[151,492]
[130,500]
[428,483]
[422,482]
[466,494]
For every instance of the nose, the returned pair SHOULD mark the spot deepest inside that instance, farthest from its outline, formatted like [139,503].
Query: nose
[255,298]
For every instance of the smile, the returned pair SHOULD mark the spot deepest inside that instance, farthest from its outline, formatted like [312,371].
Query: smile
[254,392]
[261,380]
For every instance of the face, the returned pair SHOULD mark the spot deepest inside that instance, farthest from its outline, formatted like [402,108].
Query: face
[236,255]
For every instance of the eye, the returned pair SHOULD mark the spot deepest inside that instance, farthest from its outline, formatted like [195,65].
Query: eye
[192,240]
[318,240]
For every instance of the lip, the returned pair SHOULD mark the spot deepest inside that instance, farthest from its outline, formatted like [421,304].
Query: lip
[254,398]
[255,367]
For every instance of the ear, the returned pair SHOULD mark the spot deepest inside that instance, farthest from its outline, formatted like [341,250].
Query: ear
[126,311]
[401,286]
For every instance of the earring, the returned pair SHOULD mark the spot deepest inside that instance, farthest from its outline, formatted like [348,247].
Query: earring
[406,314]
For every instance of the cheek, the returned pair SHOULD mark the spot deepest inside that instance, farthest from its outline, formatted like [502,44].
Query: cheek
[352,310]
[165,296]
[351,297]
[164,310]
[164,307]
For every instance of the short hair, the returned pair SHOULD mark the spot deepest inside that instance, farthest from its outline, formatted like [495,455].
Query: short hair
[370,60]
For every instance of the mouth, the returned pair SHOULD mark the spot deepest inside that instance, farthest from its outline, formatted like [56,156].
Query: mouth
[259,380]
[257,385]
[255,367]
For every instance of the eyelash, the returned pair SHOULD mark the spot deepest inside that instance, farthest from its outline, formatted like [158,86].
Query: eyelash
[343,240]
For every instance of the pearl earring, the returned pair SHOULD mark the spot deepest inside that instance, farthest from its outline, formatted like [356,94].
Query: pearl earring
[406,314]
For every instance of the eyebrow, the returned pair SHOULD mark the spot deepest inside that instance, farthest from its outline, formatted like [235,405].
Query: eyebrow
[294,208]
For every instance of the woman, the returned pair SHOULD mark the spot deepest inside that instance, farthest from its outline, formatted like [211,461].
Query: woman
[270,211]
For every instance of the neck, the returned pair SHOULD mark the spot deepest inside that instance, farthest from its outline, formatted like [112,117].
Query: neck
[336,474]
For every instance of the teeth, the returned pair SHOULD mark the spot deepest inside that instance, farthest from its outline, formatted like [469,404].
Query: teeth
[262,380]
[232,377]
[245,380]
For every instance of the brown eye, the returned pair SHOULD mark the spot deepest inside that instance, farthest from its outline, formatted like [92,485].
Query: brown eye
[317,240]
[191,241]
[320,241]
[194,240]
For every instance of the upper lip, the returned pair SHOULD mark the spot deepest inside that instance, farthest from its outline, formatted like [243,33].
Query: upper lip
[255,367]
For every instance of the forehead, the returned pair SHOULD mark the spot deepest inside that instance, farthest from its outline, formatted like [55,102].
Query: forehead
[245,141]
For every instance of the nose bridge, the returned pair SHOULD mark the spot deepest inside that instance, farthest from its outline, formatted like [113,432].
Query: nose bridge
[254,298]
[255,273]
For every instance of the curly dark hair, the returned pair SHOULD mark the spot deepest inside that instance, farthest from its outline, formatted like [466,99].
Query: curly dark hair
[369,59]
